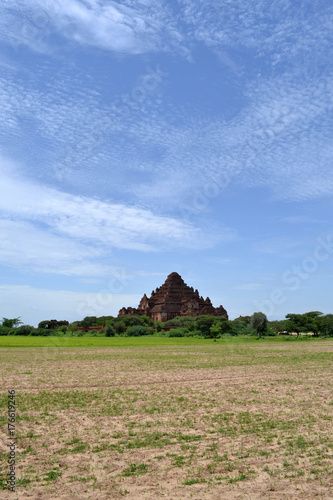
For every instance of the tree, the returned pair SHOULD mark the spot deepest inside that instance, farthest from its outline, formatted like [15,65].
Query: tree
[259,322]
[325,325]
[88,321]
[132,320]
[119,327]
[204,323]
[11,323]
[109,331]
[240,326]
[147,321]
[215,331]
[158,326]
[307,322]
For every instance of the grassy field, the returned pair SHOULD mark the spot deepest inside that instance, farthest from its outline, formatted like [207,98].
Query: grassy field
[27,341]
[150,418]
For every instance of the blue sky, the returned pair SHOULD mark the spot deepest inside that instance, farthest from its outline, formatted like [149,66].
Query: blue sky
[144,137]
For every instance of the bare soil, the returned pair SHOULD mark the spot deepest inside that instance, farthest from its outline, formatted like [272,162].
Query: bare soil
[248,421]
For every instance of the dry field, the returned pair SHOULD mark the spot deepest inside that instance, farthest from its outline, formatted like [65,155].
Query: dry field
[212,421]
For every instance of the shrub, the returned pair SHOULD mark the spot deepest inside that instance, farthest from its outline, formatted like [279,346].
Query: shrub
[37,332]
[204,323]
[88,321]
[147,321]
[72,327]
[95,333]
[5,330]
[120,327]
[181,322]
[136,331]
[197,334]
[132,320]
[24,330]
[158,326]
[177,332]
[62,329]
[109,331]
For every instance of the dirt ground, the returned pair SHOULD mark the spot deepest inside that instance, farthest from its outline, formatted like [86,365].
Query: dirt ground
[245,421]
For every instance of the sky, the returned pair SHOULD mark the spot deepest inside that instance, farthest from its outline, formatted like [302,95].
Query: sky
[144,137]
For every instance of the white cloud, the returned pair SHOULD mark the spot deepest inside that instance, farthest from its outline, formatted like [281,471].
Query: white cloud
[36,304]
[91,220]
[280,139]
[47,230]
[25,246]
[126,27]
[279,32]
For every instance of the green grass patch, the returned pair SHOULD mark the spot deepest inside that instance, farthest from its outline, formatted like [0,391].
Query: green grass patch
[27,341]
[134,469]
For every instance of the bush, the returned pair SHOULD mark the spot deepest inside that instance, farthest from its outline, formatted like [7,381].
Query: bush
[158,326]
[181,322]
[88,321]
[5,330]
[239,327]
[37,332]
[204,323]
[177,332]
[132,320]
[147,321]
[24,330]
[120,327]
[109,331]
[197,334]
[270,332]
[190,333]
[95,333]
[136,331]
[72,327]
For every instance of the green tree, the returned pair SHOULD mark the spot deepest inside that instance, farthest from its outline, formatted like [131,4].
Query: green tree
[325,325]
[240,326]
[307,322]
[132,320]
[109,331]
[259,322]
[203,323]
[88,321]
[146,320]
[215,331]
[11,323]
[158,326]
[119,327]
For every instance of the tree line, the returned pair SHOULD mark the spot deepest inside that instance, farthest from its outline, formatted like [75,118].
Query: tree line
[313,322]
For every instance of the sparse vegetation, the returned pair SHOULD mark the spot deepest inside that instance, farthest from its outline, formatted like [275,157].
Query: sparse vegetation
[139,411]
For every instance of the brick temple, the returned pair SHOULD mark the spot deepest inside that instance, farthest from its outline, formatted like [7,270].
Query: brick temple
[174,298]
